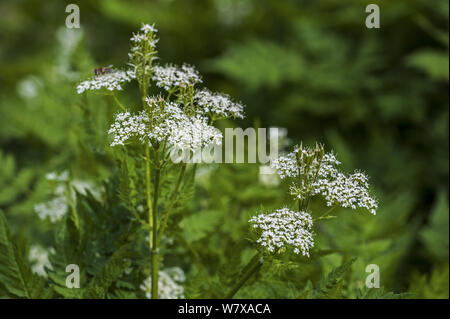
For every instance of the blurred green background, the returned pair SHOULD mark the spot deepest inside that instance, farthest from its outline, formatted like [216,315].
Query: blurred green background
[378,97]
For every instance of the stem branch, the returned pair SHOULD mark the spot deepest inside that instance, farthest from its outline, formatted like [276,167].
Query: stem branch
[252,267]
[155,250]
[172,200]
[118,102]
[326,213]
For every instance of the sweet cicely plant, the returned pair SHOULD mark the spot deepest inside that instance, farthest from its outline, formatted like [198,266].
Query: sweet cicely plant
[174,116]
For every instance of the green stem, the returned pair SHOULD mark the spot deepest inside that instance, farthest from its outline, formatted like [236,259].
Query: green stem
[155,250]
[172,200]
[148,191]
[194,171]
[326,213]
[252,267]
[118,102]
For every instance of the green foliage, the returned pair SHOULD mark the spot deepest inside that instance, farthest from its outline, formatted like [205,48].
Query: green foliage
[16,278]
[100,232]
[434,63]
[12,183]
[377,97]
[380,293]
[330,286]
[434,286]
[260,64]
[197,226]
[435,235]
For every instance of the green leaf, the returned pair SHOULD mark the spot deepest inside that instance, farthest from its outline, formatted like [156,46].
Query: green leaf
[434,63]
[379,293]
[434,286]
[435,235]
[15,272]
[330,286]
[111,271]
[13,182]
[259,63]
[198,225]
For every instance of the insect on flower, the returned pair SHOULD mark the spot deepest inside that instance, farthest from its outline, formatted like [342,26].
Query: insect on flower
[103,70]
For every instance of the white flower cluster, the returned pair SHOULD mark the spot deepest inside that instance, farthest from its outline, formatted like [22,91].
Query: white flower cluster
[169,284]
[110,81]
[325,179]
[143,48]
[54,209]
[57,207]
[285,228]
[53,176]
[218,104]
[193,134]
[38,257]
[171,76]
[168,122]
[350,191]
[286,165]
[143,36]
[127,126]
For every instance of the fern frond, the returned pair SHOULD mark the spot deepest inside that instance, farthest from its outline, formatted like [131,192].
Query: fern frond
[330,286]
[15,272]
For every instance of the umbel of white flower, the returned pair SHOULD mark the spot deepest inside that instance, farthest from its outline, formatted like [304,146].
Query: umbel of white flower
[140,63]
[218,105]
[38,256]
[169,284]
[56,207]
[165,121]
[111,81]
[183,122]
[172,77]
[315,172]
[285,228]
[143,51]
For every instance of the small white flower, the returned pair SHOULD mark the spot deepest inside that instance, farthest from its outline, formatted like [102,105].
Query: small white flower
[54,176]
[57,206]
[38,257]
[324,178]
[218,104]
[193,134]
[54,209]
[176,273]
[127,126]
[140,39]
[146,28]
[171,76]
[350,191]
[169,284]
[110,81]
[28,88]
[169,123]
[285,228]
[286,165]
